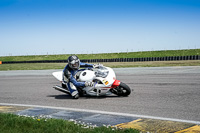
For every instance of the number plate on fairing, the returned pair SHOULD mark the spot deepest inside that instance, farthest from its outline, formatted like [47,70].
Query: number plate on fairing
[105,82]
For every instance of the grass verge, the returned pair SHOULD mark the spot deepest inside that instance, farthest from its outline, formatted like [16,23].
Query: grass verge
[20,124]
[163,53]
[43,66]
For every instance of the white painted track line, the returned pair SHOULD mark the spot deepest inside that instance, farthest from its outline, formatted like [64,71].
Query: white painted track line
[105,112]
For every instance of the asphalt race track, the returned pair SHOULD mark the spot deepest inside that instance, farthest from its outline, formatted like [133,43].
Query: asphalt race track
[169,92]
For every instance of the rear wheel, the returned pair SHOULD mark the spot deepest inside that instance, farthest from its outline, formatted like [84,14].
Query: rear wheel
[121,90]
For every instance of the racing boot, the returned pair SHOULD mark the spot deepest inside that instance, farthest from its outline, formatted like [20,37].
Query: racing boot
[75,95]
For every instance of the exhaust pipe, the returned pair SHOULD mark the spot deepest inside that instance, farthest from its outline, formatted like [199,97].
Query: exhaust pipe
[59,88]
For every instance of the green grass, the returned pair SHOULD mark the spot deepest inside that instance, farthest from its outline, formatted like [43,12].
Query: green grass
[43,66]
[10,123]
[32,66]
[106,56]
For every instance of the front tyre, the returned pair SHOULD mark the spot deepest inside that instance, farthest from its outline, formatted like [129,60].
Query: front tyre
[121,90]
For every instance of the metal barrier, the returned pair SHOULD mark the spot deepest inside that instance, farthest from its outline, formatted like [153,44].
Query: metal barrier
[169,58]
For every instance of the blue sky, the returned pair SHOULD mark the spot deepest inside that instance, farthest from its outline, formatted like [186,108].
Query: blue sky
[35,27]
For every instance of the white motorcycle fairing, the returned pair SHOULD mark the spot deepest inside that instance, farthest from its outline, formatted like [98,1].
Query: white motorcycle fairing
[104,79]
[58,75]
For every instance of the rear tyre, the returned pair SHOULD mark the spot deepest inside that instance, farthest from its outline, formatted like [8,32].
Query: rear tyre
[81,92]
[122,90]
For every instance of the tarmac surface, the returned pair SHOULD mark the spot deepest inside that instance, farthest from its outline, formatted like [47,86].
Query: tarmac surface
[168,93]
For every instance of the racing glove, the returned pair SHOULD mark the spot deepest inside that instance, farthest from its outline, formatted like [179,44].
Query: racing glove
[89,84]
[97,65]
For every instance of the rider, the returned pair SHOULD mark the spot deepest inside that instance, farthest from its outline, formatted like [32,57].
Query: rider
[69,73]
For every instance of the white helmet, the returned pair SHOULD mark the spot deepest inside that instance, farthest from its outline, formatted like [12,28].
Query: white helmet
[74,62]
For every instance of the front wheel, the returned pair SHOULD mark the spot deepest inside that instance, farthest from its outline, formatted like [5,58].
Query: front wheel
[121,90]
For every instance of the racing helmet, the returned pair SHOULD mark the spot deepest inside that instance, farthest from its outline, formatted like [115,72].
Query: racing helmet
[74,62]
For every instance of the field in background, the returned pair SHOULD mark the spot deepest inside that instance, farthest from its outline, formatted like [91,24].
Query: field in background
[106,55]
[43,66]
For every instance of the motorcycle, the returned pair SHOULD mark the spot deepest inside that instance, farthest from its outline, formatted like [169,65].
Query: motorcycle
[105,82]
